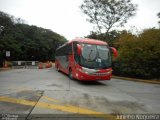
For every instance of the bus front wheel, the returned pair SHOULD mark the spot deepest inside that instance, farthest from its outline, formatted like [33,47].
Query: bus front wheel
[57,68]
[70,74]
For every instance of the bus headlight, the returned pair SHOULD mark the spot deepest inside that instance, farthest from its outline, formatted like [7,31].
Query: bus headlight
[86,72]
[82,70]
[79,69]
[109,72]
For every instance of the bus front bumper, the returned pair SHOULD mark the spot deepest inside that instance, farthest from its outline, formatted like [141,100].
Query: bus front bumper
[93,77]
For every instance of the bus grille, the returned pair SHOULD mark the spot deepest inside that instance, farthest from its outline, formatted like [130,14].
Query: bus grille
[100,74]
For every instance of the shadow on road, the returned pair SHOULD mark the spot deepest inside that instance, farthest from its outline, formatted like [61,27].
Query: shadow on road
[91,83]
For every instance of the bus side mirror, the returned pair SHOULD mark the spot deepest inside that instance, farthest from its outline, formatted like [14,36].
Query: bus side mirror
[79,49]
[115,53]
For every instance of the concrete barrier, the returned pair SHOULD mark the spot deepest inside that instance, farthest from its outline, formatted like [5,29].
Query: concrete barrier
[25,64]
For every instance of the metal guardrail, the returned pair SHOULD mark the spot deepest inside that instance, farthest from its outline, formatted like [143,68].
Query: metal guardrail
[25,64]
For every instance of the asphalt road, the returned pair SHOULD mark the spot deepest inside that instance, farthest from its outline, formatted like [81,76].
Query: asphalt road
[33,93]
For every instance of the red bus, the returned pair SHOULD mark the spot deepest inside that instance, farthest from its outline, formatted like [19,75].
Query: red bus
[85,59]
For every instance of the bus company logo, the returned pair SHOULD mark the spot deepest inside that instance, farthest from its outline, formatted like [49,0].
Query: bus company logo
[138,117]
[9,117]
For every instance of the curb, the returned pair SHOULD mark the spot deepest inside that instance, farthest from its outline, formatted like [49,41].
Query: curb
[4,69]
[137,80]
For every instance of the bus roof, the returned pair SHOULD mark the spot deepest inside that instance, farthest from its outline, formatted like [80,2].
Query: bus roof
[84,40]
[89,41]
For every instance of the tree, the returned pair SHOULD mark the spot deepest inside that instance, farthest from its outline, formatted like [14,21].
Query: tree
[139,56]
[159,18]
[106,14]
[26,42]
[107,37]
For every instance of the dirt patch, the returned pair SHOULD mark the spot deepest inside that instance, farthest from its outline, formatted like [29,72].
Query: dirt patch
[55,85]
[102,104]
[27,95]
[120,106]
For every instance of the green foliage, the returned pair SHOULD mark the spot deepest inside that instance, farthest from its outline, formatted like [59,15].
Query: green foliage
[107,37]
[158,15]
[139,56]
[27,42]
[106,14]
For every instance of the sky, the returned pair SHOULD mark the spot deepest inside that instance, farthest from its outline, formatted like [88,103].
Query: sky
[65,17]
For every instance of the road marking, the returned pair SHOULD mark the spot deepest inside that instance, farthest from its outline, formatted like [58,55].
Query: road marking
[18,101]
[65,108]
[50,99]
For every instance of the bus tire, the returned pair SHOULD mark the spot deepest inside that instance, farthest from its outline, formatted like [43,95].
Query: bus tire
[70,74]
[57,68]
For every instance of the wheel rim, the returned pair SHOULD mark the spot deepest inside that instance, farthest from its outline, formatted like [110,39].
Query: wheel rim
[70,74]
[57,68]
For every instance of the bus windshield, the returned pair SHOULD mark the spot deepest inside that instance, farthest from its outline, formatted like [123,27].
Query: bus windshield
[95,56]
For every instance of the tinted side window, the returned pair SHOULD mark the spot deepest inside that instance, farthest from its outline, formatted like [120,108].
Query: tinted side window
[76,56]
[65,50]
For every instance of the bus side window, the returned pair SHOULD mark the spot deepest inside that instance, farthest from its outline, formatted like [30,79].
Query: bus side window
[68,49]
[76,57]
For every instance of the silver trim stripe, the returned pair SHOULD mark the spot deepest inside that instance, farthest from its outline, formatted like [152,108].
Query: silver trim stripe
[100,74]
